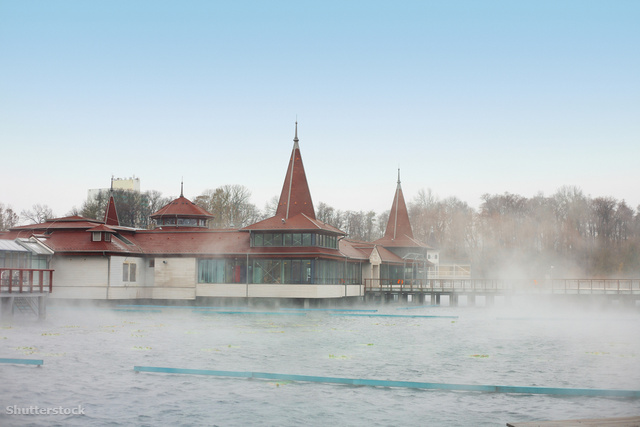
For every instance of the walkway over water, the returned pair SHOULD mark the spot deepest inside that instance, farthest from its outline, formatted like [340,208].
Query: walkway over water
[623,289]
[24,289]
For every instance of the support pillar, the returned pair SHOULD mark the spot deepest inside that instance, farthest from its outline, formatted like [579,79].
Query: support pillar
[42,307]
[453,300]
[6,308]
[437,298]
[488,300]
[471,300]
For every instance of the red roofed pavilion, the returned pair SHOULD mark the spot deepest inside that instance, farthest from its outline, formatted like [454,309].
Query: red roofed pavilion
[181,213]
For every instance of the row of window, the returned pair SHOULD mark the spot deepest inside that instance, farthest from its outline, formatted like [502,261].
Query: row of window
[97,236]
[273,271]
[10,259]
[185,222]
[294,239]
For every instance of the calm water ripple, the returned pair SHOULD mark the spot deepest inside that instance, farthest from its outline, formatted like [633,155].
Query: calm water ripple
[89,356]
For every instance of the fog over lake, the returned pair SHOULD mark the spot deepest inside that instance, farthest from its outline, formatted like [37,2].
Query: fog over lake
[89,354]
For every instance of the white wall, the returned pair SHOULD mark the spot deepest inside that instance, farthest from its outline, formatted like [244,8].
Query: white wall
[175,272]
[80,277]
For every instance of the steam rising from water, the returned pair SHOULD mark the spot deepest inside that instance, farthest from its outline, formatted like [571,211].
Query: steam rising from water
[89,353]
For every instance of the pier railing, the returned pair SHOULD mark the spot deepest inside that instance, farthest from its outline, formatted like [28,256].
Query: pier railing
[25,280]
[555,286]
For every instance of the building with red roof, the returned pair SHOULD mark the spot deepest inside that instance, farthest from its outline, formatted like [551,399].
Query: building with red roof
[290,255]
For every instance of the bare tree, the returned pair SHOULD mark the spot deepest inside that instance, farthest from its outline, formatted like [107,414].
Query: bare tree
[230,205]
[134,208]
[270,207]
[8,217]
[37,214]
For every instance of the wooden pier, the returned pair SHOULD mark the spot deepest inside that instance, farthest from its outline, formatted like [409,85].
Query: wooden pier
[24,290]
[625,291]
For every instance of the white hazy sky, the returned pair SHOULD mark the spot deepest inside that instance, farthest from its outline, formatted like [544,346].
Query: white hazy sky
[466,97]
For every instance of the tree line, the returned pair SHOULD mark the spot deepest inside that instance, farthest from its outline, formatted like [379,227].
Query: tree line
[567,234]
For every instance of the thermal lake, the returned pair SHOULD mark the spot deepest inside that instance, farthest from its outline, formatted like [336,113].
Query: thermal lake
[89,354]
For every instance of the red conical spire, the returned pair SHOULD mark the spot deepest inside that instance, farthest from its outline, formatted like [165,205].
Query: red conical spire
[111,214]
[295,197]
[399,226]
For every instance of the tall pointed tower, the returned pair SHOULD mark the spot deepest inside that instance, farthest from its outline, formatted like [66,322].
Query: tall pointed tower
[398,226]
[295,208]
[111,214]
[295,197]
[398,236]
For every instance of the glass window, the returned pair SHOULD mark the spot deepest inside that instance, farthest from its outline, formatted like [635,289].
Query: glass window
[288,239]
[96,236]
[268,239]
[258,240]
[129,272]
[297,239]
[306,239]
[277,239]
[107,237]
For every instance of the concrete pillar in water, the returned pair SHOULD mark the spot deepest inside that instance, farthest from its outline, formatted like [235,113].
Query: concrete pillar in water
[453,300]
[437,298]
[42,307]
[471,299]
[6,308]
[306,303]
[488,300]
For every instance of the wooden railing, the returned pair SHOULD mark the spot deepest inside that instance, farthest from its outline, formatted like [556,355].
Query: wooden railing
[555,286]
[21,280]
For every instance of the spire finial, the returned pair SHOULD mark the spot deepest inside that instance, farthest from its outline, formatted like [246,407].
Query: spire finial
[182,187]
[398,176]
[295,139]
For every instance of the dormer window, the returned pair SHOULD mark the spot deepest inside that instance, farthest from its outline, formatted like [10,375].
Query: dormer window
[107,237]
[96,236]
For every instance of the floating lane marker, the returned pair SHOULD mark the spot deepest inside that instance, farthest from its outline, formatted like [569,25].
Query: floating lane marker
[401,384]
[190,307]
[23,361]
[416,307]
[272,313]
[328,309]
[141,311]
[396,315]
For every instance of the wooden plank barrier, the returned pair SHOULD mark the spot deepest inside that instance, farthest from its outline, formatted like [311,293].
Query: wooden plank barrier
[394,315]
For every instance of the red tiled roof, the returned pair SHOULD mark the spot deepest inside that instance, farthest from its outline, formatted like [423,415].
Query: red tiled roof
[299,222]
[69,241]
[70,222]
[182,207]
[363,250]
[193,242]
[102,228]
